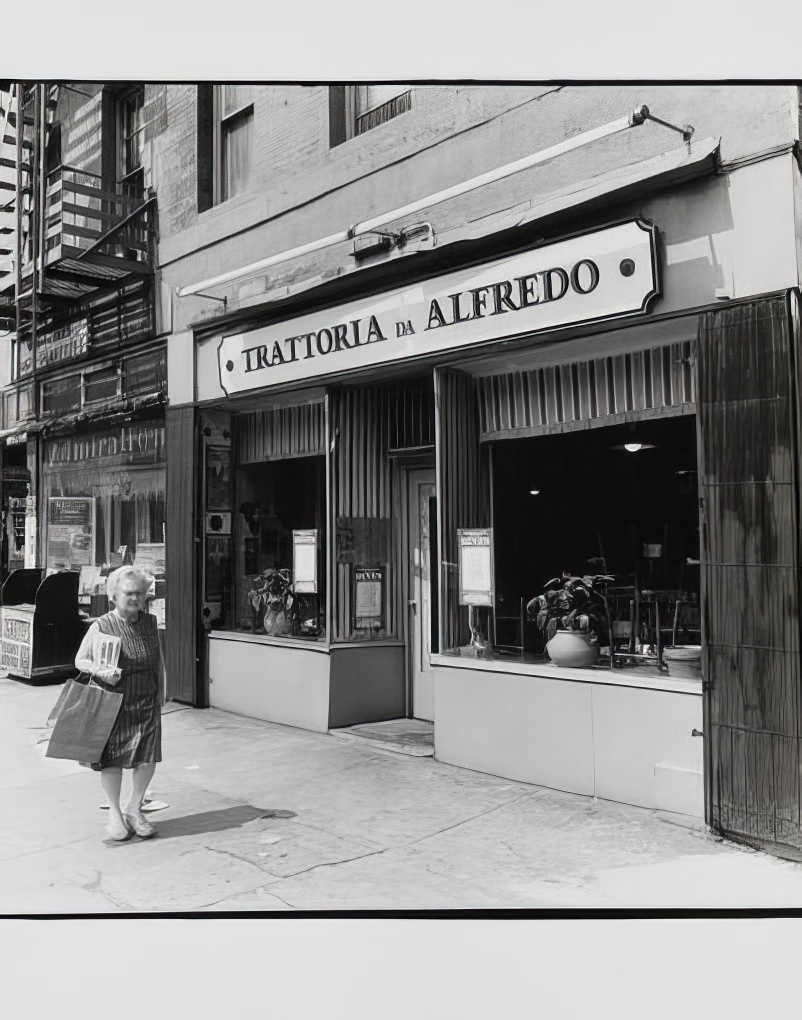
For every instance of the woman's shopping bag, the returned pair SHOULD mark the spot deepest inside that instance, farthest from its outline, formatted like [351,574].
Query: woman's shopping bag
[82,678]
[84,718]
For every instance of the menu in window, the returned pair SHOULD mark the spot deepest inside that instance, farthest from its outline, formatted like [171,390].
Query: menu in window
[150,557]
[368,598]
[304,560]
[475,566]
[70,532]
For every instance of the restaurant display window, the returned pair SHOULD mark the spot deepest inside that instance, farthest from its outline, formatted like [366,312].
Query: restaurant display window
[104,505]
[595,531]
[280,548]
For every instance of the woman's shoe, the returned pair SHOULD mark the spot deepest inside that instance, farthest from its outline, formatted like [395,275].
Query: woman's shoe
[141,826]
[118,833]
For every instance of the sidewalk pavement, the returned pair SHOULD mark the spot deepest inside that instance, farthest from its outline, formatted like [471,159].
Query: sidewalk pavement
[263,817]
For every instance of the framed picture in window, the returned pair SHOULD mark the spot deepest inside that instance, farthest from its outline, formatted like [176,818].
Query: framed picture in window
[218,478]
[217,567]
[70,532]
[368,597]
[475,566]
[304,561]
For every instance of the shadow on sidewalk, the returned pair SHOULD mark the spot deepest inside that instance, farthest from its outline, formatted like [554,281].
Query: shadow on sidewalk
[217,821]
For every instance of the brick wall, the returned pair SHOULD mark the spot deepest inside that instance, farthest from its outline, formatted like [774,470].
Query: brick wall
[302,189]
[456,131]
[451,132]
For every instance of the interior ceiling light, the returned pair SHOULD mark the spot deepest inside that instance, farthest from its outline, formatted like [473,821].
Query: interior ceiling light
[635,447]
[534,492]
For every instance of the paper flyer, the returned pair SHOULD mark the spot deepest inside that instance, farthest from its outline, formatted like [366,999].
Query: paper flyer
[106,650]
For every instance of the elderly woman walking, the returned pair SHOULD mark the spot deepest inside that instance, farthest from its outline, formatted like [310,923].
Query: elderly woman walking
[135,740]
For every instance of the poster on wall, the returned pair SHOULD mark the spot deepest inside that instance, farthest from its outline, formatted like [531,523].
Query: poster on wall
[150,557]
[368,598]
[475,566]
[216,567]
[29,558]
[218,477]
[304,561]
[70,532]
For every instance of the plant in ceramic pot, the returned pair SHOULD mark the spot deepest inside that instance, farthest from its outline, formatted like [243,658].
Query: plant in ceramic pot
[272,597]
[278,609]
[573,614]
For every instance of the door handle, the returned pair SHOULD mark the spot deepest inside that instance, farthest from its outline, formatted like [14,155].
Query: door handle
[412,603]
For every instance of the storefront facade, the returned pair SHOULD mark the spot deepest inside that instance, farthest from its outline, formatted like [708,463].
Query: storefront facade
[103,499]
[559,403]
[387,443]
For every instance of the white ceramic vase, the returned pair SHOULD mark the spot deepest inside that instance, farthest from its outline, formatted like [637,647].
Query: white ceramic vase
[572,648]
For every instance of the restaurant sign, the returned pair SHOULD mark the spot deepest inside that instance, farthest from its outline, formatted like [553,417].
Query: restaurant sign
[131,444]
[603,274]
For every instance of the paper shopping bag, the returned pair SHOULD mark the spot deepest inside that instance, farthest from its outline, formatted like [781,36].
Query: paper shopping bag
[84,722]
[82,678]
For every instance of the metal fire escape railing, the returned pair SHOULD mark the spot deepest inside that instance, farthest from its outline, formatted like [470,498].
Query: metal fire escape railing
[75,235]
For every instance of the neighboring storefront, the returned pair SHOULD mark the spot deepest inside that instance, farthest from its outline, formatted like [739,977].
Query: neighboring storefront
[388,483]
[102,504]
[85,480]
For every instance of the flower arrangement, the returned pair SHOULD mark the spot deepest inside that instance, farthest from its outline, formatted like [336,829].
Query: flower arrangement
[573,603]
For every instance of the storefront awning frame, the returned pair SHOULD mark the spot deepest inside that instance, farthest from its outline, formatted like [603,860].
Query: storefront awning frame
[484,238]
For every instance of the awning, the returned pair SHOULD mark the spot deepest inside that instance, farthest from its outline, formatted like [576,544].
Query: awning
[486,237]
[621,184]
[20,429]
[99,415]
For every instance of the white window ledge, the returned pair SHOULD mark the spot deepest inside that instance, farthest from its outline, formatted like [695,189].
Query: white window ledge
[310,646]
[546,670]
[265,639]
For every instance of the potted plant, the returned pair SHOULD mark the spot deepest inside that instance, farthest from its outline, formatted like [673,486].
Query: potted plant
[573,614]
[272,598]
[278,609]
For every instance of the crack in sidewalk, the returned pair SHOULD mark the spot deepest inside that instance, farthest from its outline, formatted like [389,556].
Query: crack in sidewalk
[303,871]
[249,892]
[482,814]
[236,856]
[401,846]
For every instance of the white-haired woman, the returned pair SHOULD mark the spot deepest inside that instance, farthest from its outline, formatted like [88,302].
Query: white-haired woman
[135,741]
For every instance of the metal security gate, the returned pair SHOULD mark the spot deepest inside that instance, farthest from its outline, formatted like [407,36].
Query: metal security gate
[749,486]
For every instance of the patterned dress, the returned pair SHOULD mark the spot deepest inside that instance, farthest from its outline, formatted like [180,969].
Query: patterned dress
[136,738]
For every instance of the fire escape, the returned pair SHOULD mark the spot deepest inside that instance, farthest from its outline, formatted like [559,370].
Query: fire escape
[76,246]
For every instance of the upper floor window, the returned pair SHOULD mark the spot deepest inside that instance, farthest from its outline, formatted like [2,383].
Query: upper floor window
[354,109]
[130,132]
[225,142]
[123,140]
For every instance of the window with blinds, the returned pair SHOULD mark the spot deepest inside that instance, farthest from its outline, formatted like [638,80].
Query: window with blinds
[355,109]
[225,142]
